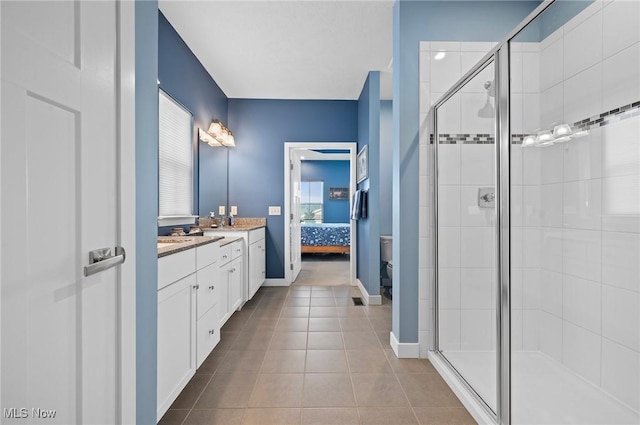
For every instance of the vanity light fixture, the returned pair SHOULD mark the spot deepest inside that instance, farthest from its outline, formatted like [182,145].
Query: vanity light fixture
[219,133]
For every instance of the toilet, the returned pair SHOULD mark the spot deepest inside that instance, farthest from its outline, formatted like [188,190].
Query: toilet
[386,264]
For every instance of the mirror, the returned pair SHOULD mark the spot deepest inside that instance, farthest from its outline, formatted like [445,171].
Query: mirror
[213,179]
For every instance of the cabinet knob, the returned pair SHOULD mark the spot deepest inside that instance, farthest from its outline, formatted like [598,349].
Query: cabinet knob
[224,256]
[212,287]
[212,331]
[196,286]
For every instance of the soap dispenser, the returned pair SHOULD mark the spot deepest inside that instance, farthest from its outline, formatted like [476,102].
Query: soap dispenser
[230,219]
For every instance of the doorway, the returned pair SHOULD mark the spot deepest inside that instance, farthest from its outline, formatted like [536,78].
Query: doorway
[333,236]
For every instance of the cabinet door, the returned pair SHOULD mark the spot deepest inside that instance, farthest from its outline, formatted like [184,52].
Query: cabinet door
[176,339]
[235,284]
[223,294]
[208,333]
[257,269]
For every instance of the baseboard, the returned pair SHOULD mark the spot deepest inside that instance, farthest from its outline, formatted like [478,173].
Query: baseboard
[404,350]
[474,407]
[275,282]
[366,298]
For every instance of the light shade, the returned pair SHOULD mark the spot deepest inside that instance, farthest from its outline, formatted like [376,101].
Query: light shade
[215,128]
[219,133]
[207,138]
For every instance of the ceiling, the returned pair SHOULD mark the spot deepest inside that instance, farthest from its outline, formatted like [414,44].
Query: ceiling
[296,49]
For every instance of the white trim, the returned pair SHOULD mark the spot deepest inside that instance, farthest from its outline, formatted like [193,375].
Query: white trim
[176,220]
[312,155]
[288,147]
[366,298]
[276,282]
[468,401]
[404,350]
[127,167]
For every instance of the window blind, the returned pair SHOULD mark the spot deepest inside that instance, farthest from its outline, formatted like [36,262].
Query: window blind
[175,159]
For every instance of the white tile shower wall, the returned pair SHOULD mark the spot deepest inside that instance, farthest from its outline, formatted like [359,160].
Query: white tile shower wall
[581,203]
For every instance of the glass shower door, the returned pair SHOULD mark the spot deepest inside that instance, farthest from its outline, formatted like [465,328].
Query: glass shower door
[466,233]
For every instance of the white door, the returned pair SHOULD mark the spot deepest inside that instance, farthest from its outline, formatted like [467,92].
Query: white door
[296,255]
[60,200]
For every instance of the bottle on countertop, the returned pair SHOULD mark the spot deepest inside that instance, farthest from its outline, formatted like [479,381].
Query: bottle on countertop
[230,219]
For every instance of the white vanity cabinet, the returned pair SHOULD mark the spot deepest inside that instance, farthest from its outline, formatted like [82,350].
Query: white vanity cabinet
[176,326]
[207,295]
[254,266]
[231,261]
[189,286]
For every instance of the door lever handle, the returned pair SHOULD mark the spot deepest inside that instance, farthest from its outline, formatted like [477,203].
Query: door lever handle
[101,259]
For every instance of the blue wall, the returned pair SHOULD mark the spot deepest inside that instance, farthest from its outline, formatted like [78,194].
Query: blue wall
[386,166]
[184,78]
[146,47]
[256,164]
[415,21]
[333,174]
[368,229]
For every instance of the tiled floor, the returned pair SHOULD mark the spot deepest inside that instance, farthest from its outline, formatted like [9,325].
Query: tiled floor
[307,355]
[324,270]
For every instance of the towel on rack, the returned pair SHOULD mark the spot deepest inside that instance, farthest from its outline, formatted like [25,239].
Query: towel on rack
[356,206]
[364,203]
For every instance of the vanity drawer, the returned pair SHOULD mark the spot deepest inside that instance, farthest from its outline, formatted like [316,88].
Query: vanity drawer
[236,249]
[207,254]
[175,266]
[224,254]
[256,235]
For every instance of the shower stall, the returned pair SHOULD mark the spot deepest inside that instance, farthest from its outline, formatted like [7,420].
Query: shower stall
[536,221]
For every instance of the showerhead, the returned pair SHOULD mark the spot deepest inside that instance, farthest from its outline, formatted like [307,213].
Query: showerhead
[490,88]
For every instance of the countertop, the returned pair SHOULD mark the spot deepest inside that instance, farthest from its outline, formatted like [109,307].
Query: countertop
[236,228]
[227,241]
[173,244]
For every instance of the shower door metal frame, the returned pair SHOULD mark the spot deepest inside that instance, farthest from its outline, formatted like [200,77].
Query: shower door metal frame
[490,58]
[500,56]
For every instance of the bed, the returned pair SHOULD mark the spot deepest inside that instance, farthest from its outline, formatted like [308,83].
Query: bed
[325,238]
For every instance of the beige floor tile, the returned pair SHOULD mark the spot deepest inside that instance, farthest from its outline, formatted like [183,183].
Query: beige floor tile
[292,324]
[325,341]
[326,361]
[384,338]
[174,417]
[191,392]
[353,324]
[330,416]
[226,340]
[324,324]
[277,390]
[260,323]
[242,361]
[350,311]
[387,416]
[295,312]
[323,302]
[288,341]
[409,365]
[284,361]
[327,390]
[300,293]
[444,416]
[215,417]
[297,302]
[323,312]
[211,363]
[379,389]
[322,290]
[256,339]
[345,302]
[227,390]
[381,323]
[271,416]
[361,340]
[428,390]
[368,361]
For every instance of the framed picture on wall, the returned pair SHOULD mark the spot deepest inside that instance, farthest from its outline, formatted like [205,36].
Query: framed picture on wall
[362,164]
[339,193]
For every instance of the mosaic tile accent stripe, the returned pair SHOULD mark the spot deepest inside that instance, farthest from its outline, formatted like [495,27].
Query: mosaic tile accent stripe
[618,114]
